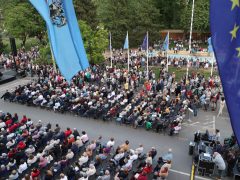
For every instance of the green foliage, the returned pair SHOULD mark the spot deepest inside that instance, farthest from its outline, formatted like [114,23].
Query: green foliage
[86,11]
[170,11]
[95,41]
[45,56]
[22,21]
[2,46]
[200,18]
[136,17]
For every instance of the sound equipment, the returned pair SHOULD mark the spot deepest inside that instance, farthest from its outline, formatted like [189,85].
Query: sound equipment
[205,164]
[13,46]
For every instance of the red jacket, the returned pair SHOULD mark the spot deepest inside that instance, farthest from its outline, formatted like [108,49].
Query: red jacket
[24,120]
[35,174]
[21,145]
[68,132]
[147,169]
[142,177]
[13,127]
[9,122]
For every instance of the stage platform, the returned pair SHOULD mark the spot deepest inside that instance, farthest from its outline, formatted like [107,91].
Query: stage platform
[7,78]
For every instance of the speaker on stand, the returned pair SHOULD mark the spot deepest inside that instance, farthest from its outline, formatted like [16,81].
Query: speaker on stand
[14,50]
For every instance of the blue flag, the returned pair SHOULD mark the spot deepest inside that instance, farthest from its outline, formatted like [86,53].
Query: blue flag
[225,22]
[144,44]
[166,43]
[110,41]
[64,35]
[126,45]
[210,48]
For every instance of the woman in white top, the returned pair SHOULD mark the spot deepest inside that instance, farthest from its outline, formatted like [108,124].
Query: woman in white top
[222,104]
[31,160]
[23,166]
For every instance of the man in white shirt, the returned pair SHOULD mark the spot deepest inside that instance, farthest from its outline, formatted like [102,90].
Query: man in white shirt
[2,124]
[23,166]
[110,143]
[39,99]
[84,137]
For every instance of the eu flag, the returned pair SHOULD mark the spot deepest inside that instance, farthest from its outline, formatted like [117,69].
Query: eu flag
[64,35]
[225,22]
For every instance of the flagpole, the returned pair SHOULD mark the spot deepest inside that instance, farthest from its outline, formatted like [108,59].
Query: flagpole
[147,56]
[213,57]
[111,49]
[128,51]
[53,60]
[190,39]
[167,49]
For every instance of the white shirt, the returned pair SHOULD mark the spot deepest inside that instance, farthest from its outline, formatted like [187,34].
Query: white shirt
[31,161]
[2,124]
[22,167]
[84,138]
[110,143]
[83,159]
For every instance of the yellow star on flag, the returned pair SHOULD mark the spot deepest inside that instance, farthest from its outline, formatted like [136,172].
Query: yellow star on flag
[234,31]
[234,3]
[238,49]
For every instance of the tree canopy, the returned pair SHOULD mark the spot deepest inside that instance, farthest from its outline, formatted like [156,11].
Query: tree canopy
[118,17]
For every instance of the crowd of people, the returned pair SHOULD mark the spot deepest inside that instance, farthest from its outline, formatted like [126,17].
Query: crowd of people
[34,151]
[158,103]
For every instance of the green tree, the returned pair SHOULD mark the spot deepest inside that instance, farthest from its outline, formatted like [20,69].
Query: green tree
[170,12]
[86,10]
[45,56]
[95,41]
[200,18]
[25,23]
[134,16]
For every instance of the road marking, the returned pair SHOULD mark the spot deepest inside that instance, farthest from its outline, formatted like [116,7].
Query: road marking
[187,174]
[208,122]
[194,123]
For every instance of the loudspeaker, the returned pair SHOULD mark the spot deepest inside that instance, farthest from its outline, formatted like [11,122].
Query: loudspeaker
[13,46]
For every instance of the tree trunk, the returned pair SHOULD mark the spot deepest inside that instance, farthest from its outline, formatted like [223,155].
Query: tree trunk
[23,41]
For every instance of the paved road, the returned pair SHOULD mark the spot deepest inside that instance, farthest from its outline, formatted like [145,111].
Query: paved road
[179,144]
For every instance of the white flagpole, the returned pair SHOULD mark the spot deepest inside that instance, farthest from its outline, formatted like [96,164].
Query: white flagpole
[111,49]
[128,51]
[147,56]
[213,58]
[167,49]
[190,39]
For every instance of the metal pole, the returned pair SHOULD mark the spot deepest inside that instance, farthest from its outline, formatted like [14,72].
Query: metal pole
[147,56]
[111,49]
[190,39]
[213,57]
[167,49]
[53,60]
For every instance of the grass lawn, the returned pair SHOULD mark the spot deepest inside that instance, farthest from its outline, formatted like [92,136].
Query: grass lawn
[180,72]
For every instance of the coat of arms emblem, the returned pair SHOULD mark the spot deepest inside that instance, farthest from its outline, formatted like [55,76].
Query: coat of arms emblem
[57,13]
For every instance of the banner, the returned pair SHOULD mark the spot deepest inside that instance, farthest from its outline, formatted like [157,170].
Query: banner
[64,35]
[224,21]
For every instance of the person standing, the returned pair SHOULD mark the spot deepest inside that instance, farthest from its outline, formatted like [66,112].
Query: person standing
[220,164]
[222,104]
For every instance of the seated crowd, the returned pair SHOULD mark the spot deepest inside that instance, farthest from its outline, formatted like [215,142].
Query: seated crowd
[36,151]
[158,103]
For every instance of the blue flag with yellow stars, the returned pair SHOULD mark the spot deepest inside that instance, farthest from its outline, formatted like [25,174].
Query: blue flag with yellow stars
[225,23]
